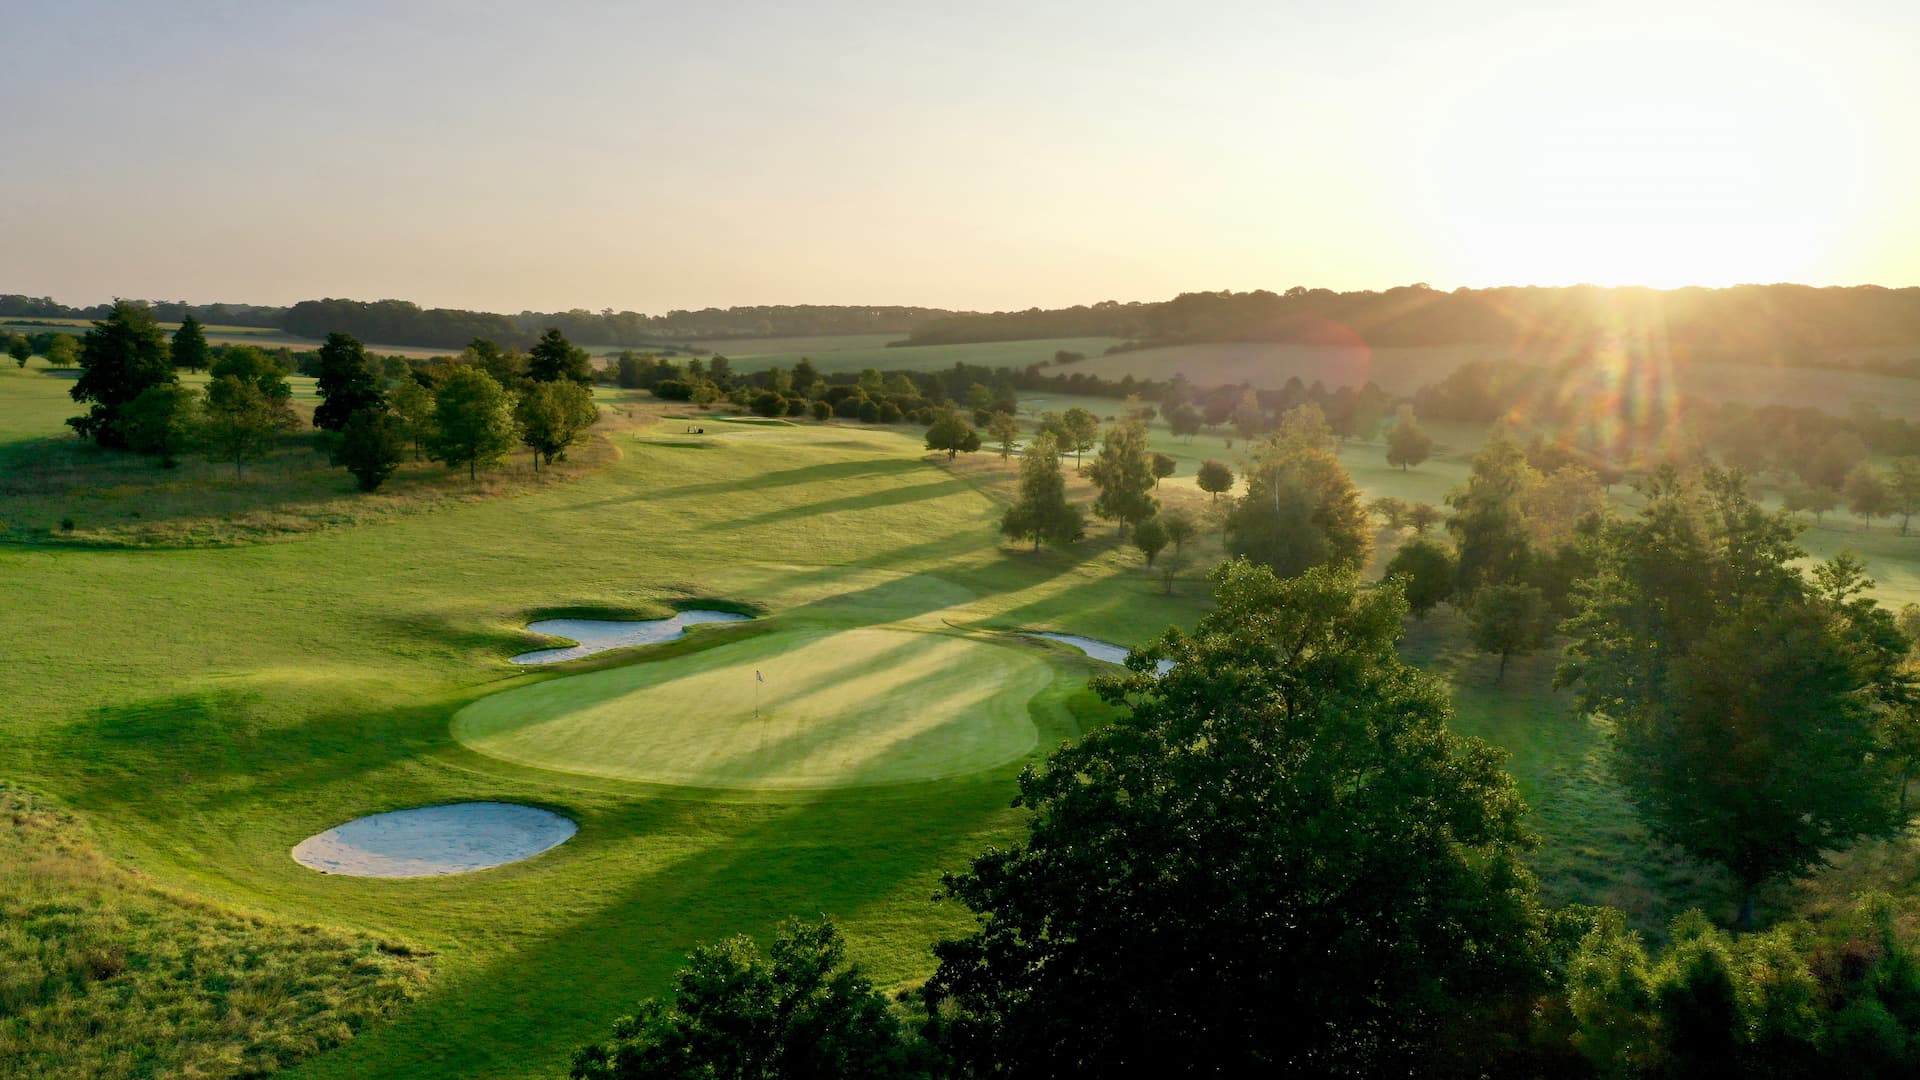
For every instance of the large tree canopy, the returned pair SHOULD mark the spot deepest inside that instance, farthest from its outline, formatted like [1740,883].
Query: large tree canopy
[347,382]
[1279,861]
[120,359]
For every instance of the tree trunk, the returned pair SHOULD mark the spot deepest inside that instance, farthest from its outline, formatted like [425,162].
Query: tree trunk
[236,466]
[1747,920]
[472,465]
[1502,676]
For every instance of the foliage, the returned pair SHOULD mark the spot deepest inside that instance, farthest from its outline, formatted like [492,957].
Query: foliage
[1180,528]
[1150,537]
[1507,619]
[240,423]
[1426,572]
[1215,477]
[1124,474]
[1712,655]
[1278,860]
[1392,510]
[189,349]
[473,423]
[411,405]
[1041,512]
[347,382]
[163,420]
[1183,420]
[553,415]
[951,432]
[1301,507]
[1408,444]
[1489,523]
[1005,431]
[553,358]
[63,350]
[120,358]
[371,446]
[799,1013]
[1867,494]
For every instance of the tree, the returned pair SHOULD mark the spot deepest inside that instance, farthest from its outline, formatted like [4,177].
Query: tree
[263,371]
[371,446]
[240,422]
[411,405]
[1123,473]
[1277,861]
[952,433]
[120,358]
[189,348]
[1249,418]
[822,411]
[473,422]
[1903,489]
[1712,655]
[801,1012]
[1163,467]
[1506,619]
[769,403]
[1422,517]
[1391,510]
[63,350]
[1836,458]
[1798,495]
[1041,512]
[1150,536]
[20,349]
[552,416]
[1080,429]
[1408,444]
[1301,507]
[1426,572]
[508,367]
[346,382]
[1867,494]
[1215,477]
[553,358]
[164,420]
[1180,528]
[1006,433]
[1489,523]
[1183,420]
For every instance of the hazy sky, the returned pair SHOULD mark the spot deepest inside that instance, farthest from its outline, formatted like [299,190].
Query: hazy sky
[976,155]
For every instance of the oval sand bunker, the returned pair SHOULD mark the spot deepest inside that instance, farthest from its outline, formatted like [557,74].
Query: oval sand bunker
[1099,650]
[433,840]
[599,635]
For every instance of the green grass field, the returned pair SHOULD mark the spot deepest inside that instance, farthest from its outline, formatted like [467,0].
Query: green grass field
[204,708]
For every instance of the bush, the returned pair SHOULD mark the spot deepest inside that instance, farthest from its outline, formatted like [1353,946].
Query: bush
[673,390]
[822,411]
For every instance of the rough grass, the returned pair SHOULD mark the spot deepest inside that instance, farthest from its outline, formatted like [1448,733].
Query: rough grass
[102,975]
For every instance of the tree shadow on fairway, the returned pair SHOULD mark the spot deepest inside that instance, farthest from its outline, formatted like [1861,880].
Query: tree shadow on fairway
[847,855]
[893,496]
[732,488]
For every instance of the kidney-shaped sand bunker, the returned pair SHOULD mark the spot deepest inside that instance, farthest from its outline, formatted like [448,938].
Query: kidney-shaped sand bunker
[429,841]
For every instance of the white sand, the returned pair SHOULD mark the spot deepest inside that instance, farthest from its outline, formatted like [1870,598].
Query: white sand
[434,840]
[1099,650]
[599,635]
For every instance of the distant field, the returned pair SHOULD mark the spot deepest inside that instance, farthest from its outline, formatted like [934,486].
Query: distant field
[854,352]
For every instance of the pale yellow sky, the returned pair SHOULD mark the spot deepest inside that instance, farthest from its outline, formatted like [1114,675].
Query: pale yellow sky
[970,156]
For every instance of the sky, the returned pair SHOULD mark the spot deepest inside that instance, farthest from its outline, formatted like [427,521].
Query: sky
[979,156]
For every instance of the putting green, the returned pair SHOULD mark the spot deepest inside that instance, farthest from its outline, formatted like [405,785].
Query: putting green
[839,708]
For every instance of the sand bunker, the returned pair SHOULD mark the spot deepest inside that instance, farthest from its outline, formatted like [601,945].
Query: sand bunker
[1099,650]
[432,840]
[599,635]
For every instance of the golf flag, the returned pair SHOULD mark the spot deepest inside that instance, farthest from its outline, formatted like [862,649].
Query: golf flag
[757,677]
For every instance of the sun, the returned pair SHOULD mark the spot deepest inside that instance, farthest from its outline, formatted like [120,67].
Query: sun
[1651,171]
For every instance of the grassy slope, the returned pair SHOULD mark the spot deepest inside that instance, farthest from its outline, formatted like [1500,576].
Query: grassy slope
[209,708]
[163,985]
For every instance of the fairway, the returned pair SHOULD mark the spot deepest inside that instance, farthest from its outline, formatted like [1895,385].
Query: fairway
[837,708]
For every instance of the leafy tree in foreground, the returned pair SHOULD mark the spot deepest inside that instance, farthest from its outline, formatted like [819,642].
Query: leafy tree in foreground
[799,1013]
[1215,478]
[120,358]
[347,382]
[189,349]
[1042,513]
[1426,572]
[1507,619]
[951,432]
[371,446]
[473,422]
[241,422]
[163,420]
[1742,695]
[553,358]
[1408,444]
[1124,474]
[553,416]
[1280,861]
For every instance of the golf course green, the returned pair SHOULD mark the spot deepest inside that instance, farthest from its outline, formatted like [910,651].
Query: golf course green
[804,708]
